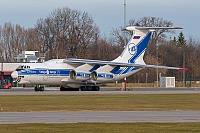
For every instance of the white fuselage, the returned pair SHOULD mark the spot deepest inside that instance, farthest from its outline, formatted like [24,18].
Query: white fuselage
[55,72]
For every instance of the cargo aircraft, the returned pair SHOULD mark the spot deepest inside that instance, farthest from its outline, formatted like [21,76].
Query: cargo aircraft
[87,75]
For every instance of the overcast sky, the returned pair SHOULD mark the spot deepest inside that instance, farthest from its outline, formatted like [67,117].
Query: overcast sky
[107,14]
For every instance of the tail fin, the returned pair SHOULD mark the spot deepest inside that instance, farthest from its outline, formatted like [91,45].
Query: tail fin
[135,49]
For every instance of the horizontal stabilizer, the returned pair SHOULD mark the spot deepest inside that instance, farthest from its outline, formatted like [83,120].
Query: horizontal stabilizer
[133,28]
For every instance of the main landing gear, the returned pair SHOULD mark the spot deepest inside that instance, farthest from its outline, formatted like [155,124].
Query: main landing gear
[39,88]
[90,88]
[82,88]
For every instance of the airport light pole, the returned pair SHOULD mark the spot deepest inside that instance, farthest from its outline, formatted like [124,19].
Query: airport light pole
[124,13]
[124,33]
[124,37]
[157,63]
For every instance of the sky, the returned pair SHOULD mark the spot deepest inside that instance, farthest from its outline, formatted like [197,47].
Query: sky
[107,14]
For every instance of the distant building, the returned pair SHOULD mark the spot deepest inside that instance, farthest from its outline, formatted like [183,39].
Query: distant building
[30,56]
[26,56]
[167,81]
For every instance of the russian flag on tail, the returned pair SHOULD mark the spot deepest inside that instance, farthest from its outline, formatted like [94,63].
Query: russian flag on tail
[136,37]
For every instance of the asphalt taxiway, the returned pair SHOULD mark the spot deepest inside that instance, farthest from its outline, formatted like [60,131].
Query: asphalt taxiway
[99,116]
[55,91]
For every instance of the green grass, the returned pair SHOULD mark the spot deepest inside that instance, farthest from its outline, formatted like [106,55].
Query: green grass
[102,128]
[10,103]
[27,103]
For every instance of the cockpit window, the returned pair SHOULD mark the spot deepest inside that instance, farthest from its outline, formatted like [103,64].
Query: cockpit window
[22,67]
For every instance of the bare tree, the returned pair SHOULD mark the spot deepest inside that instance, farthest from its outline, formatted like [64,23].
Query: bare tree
[33,40]
[12,41]
[192,53]
[67,33]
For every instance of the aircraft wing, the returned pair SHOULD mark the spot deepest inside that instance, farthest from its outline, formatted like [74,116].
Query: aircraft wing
[101,63]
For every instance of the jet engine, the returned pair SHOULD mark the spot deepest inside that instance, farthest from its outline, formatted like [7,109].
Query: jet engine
[80,76]
[101,76]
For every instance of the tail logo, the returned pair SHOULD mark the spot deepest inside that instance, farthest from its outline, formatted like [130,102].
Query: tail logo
[132,48]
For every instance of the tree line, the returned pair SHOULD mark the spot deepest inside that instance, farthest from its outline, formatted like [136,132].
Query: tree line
[68,33]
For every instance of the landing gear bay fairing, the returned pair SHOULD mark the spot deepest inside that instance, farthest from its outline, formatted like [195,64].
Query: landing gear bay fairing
[88,75]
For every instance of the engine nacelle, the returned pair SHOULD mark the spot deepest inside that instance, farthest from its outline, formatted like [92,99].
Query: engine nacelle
[101,76]
[80,76]
[72,74]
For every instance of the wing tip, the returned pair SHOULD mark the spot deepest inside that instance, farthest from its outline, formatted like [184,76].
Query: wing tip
[178,27]
[183,69]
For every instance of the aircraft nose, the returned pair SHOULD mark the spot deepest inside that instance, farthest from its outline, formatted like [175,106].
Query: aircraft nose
[14,75]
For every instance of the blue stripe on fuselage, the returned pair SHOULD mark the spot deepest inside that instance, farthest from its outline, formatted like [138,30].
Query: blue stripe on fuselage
[41,72]
[125,70]
[115,69]
[95,68]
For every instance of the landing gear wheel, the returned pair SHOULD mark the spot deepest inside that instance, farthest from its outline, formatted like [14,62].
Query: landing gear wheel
[90,88]
[96,88]
[39,88]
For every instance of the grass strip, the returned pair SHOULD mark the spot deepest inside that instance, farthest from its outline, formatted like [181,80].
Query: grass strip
[151,102]
[101,128]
